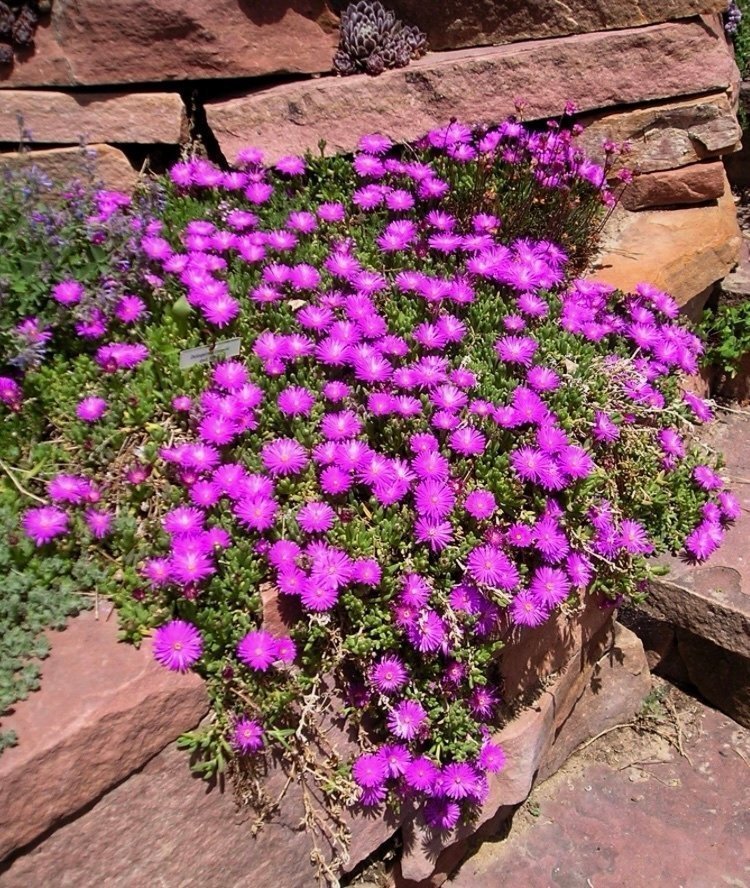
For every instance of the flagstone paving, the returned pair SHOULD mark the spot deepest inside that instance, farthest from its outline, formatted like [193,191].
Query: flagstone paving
[633,810]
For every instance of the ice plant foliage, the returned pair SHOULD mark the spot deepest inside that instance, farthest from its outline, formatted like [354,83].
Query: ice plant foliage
[434,432]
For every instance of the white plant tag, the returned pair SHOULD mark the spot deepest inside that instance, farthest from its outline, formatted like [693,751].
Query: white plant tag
[204,354]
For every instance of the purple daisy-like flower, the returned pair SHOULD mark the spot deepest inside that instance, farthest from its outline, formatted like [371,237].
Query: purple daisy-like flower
[319,594]
[516,349]
[183,520]
[256,512]
[442,813]
[284,456]
[369,771]
[406,718]
[436,534]
[706,478]
[177,645]
[316,517]
[480,504]
[491,757]
[389,674]
[549,586]
[68,292]
[397,758]
[433,499]
[68,489]
[247,735]
[421,774]
[99,523]
[366,571]
[295,401]
[257,650]
[337,426]
[44,524]
[91,409]
[286,649]
[468,441]
[633,538]
[525,610]
[491,567]
[604,430]
[458,780]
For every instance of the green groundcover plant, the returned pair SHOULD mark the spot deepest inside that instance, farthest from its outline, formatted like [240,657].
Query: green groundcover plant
[420,431]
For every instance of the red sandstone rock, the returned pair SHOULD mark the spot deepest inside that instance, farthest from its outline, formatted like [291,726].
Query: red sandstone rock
[532,654]
[667,820]
[63,165]
[596,70]
[453,23]
[666,135]
[104,709]
[66,118]
[682,251]
[591,694]
[90,42]
[712,600]
[163,826]
[694,184]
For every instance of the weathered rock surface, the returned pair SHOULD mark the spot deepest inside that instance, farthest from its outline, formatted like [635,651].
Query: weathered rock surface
[533,654]
[88,42]
[65,118]
[712,600]
[592,693]
[454,23]
[596,70]
[594,815]
[104,709]
[694,184]
[683,251]
[108,165]
[163,826]
[666,135]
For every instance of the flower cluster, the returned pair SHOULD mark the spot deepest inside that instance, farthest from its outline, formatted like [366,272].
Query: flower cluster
[436,437]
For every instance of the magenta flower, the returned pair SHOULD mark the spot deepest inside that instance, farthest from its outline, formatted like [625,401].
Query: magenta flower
[468,441]
[319,594]
[421,774]
[433,499]
[406,719]
[366,571]
[388,675]
[177,645]
[286,649]
[247,736]
[68,292]
[189,562]
[316,517]
[436,534]
[633,538]
[337,426]
[369,771]
[491,758]
[489,566]
[68,489]
[480,504]
[549,586]
[91,409]
[99,523]
[526,610]
[284,456]
[296,401]
[120,356]
[442,813]
[183,520]
[458,780]
[257,650]
[256,512]
[44,524]
[516,349]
